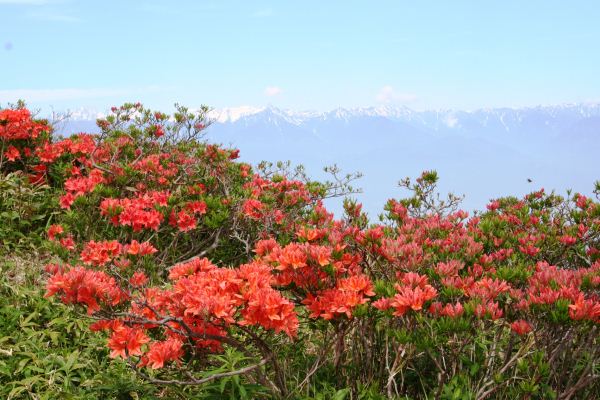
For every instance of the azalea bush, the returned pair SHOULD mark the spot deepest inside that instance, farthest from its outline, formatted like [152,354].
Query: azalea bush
[207,274]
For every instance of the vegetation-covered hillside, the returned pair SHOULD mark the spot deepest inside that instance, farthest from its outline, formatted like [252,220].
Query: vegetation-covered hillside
[145,263]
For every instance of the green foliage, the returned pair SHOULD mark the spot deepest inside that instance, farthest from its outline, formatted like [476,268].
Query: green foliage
[45,353]
[25,212]
[234,387]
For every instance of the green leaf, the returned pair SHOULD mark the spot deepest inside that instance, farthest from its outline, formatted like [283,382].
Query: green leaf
[341,394]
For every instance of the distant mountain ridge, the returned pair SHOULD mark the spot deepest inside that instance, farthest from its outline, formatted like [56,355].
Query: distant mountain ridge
[483,153]
[432,119]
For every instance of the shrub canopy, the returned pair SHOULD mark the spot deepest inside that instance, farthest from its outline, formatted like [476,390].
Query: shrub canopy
[187,259]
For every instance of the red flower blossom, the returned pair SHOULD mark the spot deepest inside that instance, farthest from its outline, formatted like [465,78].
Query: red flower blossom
[67,242]
[489,310]
[161,352]
[18,125]
[136,248]
[126,341]
[253,208]
[450,268]
[190,268]
[54,230]
[197,207]
[411,298]
[80,285]
[66,201]
[567,240]
[358,283]
[382,304]
[494,205]
[488,289]
[81,185]
[99,253]
[269,309]
[12,153]
[183,220]
[448,310]
[139,213]
[138,279]
[520,327]
[414,280]
[332,303]
[48,153]
[585,309]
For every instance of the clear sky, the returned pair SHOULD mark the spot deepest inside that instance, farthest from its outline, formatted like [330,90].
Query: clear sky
[299,54]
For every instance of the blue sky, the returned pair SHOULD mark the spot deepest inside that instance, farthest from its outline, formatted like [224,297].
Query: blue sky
[299,54]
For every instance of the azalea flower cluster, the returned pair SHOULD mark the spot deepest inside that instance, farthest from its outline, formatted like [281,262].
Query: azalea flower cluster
[79,285]
[319,272]
[243,295]
[202,303]
[17,124]
[269,198]
[21,136]
[461,268]
[141,212]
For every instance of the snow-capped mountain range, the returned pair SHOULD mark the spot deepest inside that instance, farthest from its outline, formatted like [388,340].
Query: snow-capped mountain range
[434,119]
[483,153]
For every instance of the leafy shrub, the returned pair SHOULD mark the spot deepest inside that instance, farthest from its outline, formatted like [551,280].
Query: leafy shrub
[25,212]
[46,352]
[208,277]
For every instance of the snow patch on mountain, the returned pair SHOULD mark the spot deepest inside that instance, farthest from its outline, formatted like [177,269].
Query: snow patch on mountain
[230,115]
